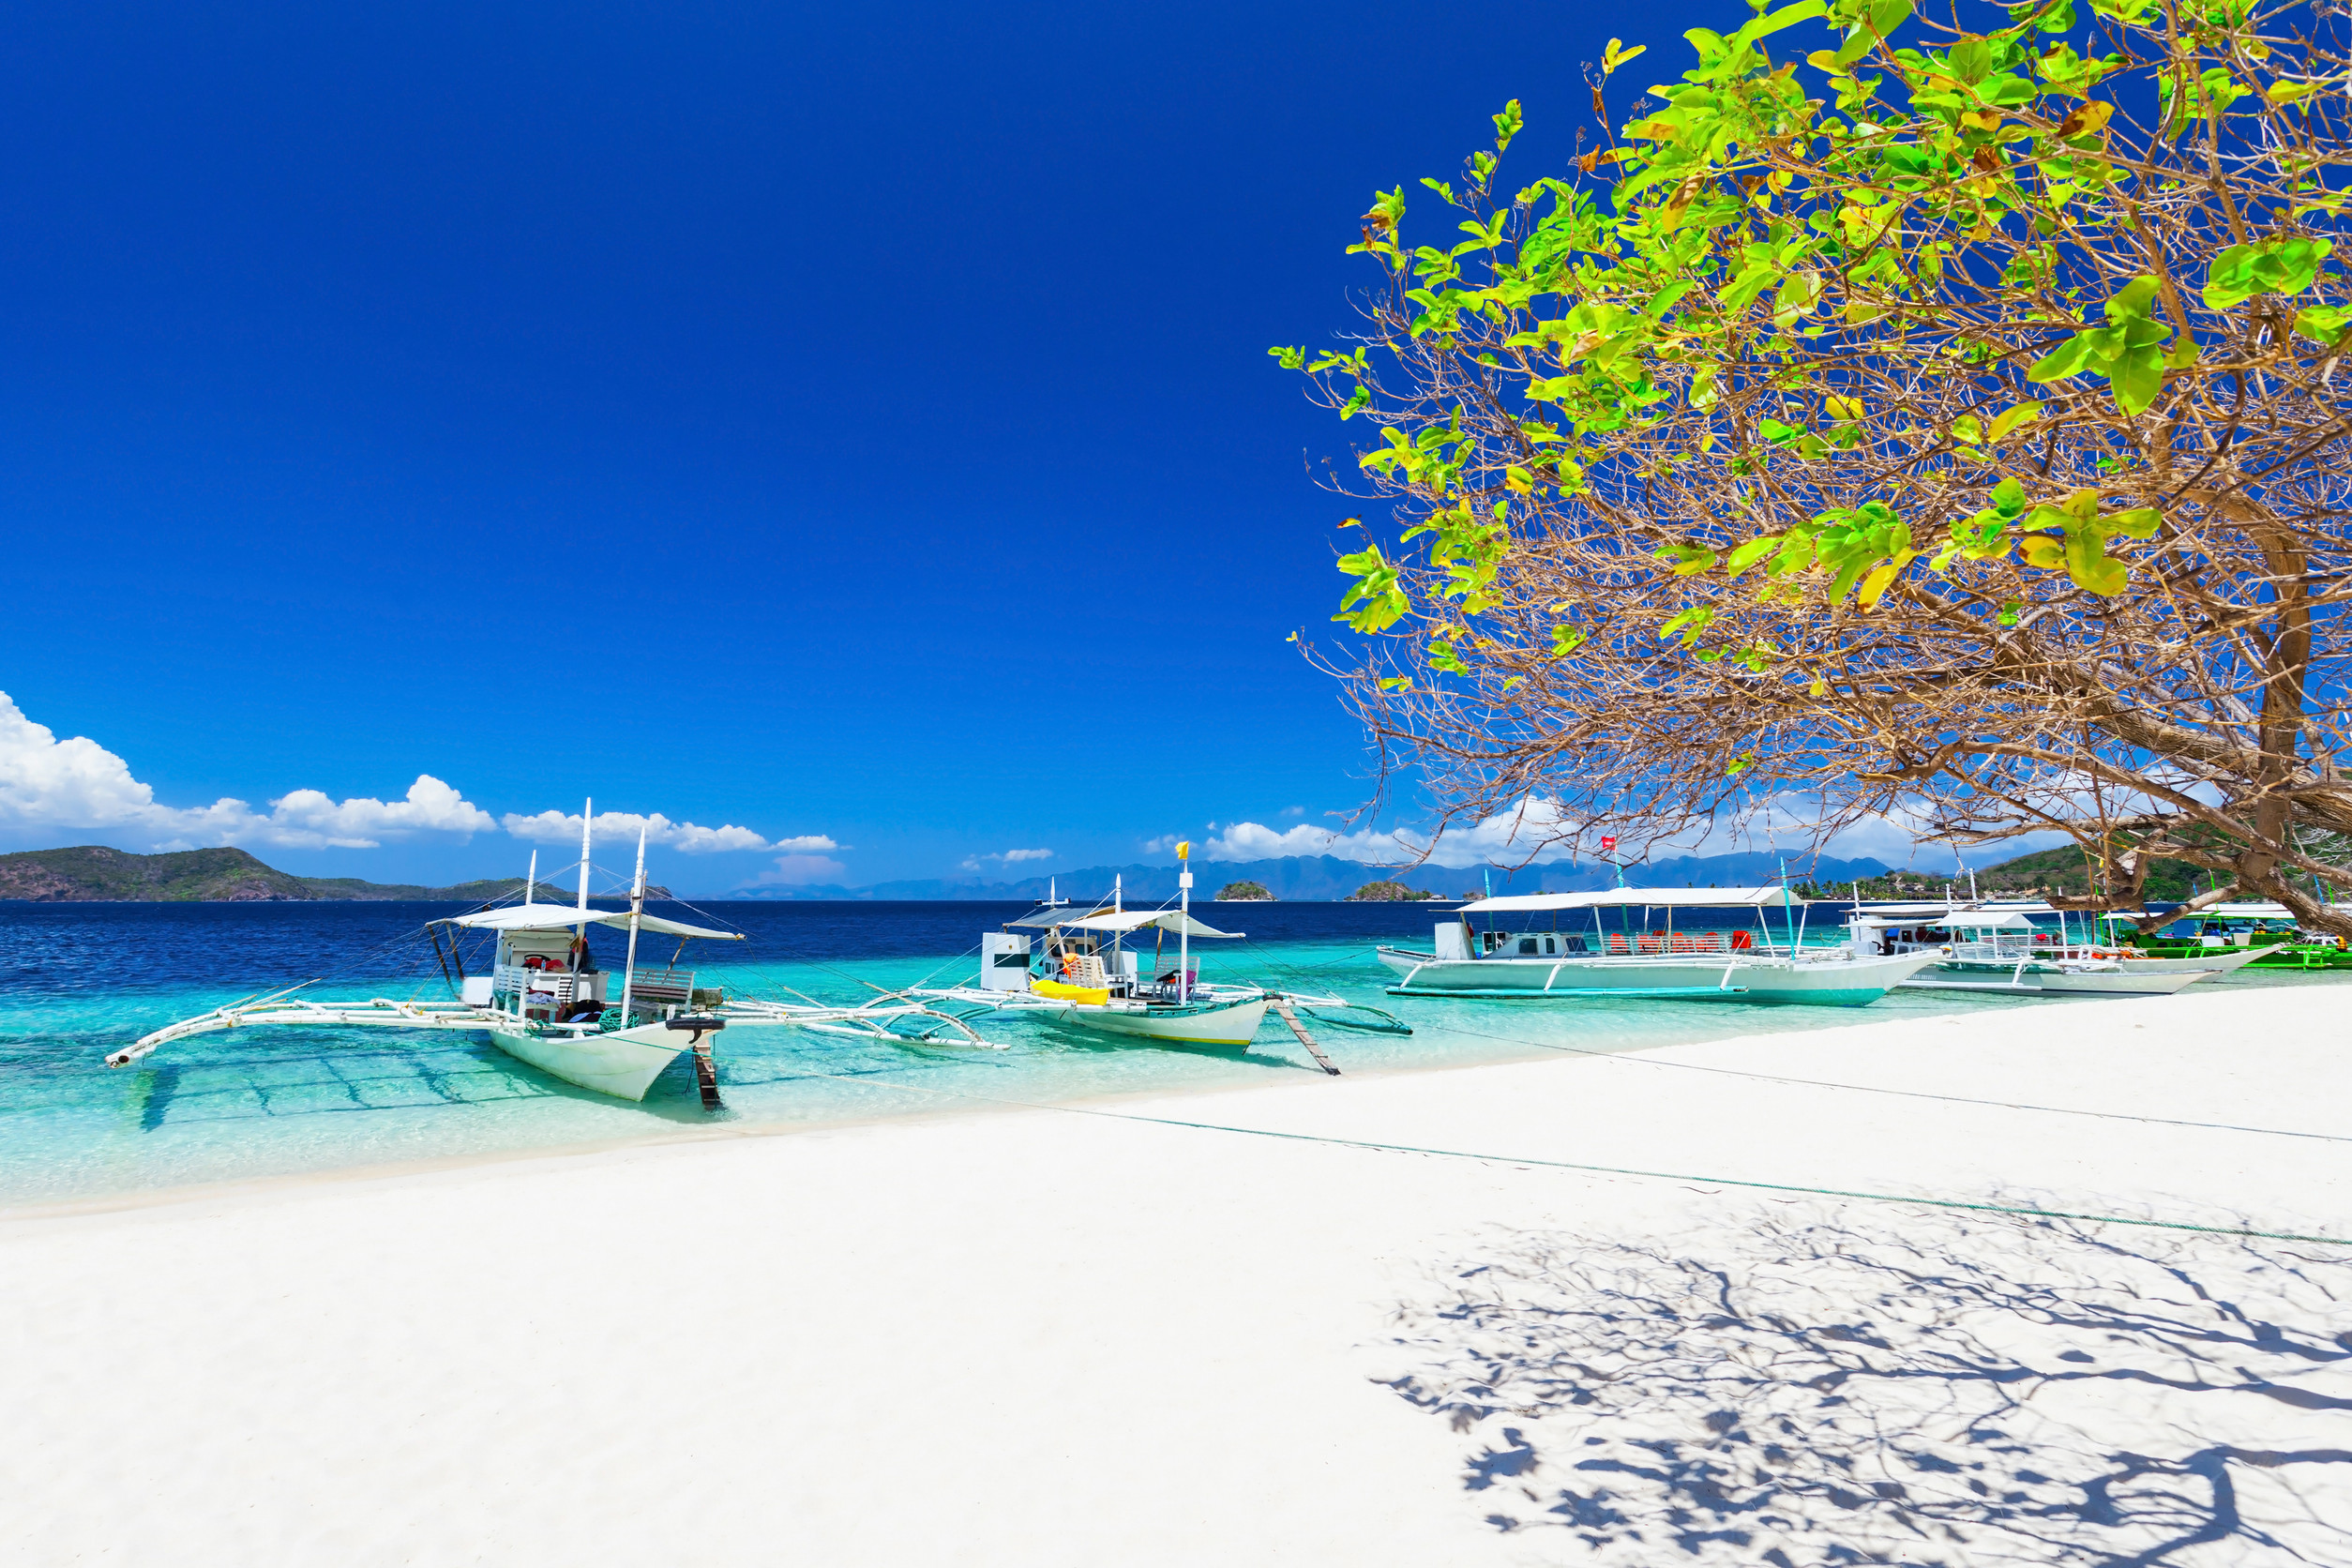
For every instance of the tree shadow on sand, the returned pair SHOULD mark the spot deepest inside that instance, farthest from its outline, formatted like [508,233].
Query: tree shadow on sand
[1802,1386]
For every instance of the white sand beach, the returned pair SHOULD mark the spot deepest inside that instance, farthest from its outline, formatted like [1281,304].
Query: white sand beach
[1085,1336]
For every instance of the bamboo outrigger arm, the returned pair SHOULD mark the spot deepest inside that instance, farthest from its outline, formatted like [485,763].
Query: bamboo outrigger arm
[872,1019]
[380,1011]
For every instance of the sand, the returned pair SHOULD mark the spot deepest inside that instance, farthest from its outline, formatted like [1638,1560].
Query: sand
[1048,1336]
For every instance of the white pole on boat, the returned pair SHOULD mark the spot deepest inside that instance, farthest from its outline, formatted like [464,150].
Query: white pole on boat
[637,910]
[1183,932]
[530,880]
[587,820]
[1788,914]
[580,931]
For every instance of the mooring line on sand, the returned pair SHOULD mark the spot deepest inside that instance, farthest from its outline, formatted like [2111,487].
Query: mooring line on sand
[1633,1058]
[1616,1170]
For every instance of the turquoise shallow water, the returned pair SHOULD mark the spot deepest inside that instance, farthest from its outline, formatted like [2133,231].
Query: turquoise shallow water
[79,980]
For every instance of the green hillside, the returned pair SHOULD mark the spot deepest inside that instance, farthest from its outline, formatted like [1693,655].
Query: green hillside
[2066,870]
[93,873]
[2062,871]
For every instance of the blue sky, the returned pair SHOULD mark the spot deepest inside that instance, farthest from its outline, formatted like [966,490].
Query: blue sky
[852,427]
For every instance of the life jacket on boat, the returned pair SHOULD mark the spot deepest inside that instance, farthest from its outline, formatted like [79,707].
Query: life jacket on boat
[1743,940]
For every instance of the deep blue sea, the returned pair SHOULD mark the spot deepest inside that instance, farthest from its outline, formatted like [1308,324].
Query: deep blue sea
[78,980]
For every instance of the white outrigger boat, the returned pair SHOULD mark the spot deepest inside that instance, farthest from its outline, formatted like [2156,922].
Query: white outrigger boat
[1999,950]
[1522,959]
[545,1002]
[1077,968]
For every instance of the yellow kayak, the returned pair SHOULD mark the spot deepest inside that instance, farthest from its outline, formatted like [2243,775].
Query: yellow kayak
[1093,996]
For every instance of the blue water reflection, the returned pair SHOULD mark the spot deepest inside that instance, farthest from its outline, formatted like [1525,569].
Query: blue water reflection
[77,980]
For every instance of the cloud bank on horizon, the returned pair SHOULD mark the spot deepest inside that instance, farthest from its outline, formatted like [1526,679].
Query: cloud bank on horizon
[78,785]
[1535,832]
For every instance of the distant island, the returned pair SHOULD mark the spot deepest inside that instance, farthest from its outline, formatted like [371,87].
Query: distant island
[1390,893]
[93,873]
[1244,892]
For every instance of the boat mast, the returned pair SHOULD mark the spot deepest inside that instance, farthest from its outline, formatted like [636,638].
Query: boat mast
[637,910]
[1183,932]
[530,880]
[587,820]
[580,932]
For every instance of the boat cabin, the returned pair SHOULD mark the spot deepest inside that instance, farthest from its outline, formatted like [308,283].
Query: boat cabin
[543,974]
[1994,935]
[1602,923]
[1090,950]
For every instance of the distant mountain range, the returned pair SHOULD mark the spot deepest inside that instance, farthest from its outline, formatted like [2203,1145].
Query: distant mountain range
[1317,878]
[93,874]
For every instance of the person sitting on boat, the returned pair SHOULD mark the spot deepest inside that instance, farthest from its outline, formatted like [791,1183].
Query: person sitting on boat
[583,961]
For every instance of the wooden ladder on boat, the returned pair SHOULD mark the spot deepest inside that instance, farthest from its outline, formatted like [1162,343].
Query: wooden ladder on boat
[1282,1006]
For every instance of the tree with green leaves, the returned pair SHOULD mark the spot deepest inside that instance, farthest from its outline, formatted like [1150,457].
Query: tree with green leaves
[1896,413]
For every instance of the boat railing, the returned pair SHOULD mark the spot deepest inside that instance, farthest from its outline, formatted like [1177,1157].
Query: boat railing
[560,984]
[658,986]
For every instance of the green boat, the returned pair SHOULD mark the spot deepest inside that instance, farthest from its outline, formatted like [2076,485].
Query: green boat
[2270,927]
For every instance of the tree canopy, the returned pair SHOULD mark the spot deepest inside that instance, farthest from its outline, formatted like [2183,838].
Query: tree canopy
[1927,415]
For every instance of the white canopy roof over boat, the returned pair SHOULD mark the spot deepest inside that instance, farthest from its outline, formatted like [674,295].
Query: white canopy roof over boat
[556,917]
[1959,920]
[1635,898]
[1104,920]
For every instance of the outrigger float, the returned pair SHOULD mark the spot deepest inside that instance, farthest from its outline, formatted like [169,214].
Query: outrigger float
[545,1002]
[1516,957]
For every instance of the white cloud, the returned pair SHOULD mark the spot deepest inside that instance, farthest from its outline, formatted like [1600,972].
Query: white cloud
[1006,858]
[49,785]
[808,843]
[1506,839]
[1294,810]
[560,827]
[799,870]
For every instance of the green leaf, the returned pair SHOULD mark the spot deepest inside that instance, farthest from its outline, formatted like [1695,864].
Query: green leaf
[2091,567]
[1355,403]
[2286,266]
[2009,497]
[1748,554]
[2138,378]
[1508,124]
[2323,324]
[2012,419]
[2065,360]
[1289,360]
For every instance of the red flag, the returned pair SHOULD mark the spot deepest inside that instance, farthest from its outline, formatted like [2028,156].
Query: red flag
[1607,845]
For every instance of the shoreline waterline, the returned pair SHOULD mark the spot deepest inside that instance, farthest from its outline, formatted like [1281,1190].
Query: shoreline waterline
[261,1104]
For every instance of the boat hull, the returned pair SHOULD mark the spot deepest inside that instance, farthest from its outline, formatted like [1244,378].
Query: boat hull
[2129,980]
[2220,963]
[622,1065]
[1731,977]
[1233,1023]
